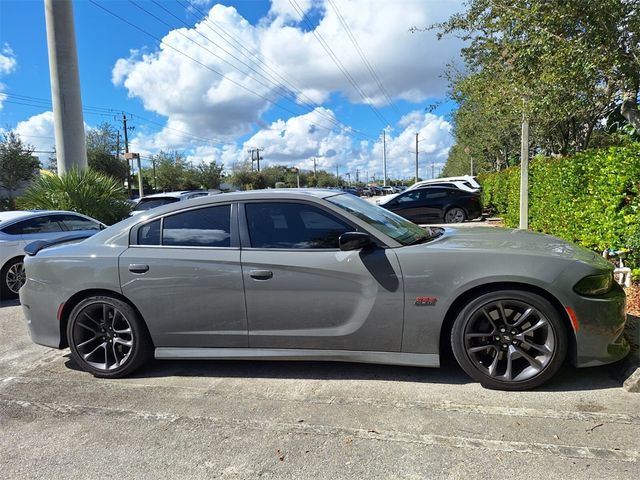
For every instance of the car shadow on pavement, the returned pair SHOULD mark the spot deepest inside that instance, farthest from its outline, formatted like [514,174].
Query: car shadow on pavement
[567,379]
[9,303]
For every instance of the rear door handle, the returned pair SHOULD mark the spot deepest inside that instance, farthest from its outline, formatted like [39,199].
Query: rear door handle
[138,268]
[261,274]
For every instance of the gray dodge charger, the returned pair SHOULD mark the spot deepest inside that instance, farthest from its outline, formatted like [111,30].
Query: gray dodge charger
[322,275]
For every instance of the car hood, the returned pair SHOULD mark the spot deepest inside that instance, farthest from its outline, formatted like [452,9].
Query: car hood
[513,241]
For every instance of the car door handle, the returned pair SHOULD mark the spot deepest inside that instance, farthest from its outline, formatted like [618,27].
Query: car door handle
[138,268]
[261,274]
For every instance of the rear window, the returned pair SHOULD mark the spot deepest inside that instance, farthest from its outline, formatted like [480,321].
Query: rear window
[149,203]
[204,227]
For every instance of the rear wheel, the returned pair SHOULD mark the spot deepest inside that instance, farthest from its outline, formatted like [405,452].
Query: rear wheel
[13,278]
[107,337]
[455,215]
[509,340]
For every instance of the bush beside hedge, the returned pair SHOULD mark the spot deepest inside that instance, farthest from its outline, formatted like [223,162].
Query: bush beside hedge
[591,199]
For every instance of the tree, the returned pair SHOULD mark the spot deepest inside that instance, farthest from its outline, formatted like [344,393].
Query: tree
[17,163]
[566,65]
[209,175]
[85,191]
[171,170]
[102,151]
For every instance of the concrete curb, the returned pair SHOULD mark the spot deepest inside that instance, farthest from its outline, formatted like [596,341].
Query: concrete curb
[628,370]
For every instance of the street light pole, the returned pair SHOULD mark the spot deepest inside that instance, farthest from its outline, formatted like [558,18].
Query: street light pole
[416,158]
[524,174]
[71,149]
[384,158]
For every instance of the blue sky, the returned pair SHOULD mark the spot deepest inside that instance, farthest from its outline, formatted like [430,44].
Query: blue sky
[177,103]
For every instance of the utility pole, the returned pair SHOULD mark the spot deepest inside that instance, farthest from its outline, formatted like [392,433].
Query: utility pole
[348,174]
[524,174]
[384,158]
[337,176]
[314,166]
[126,150]
[357,175]
[433,169]
[258,157]
[71,148]
[471,166]
[155,185]
[250,152]
[255,158]
[118,145]
[416,158]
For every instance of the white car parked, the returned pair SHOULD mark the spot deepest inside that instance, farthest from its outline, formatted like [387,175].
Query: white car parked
[19,228]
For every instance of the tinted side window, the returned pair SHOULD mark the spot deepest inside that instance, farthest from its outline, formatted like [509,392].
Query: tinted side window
[149,203]
[15,229]
[35,225]
[410,196]
[436,193]
[204,227]
[149,234]
[293,225]
[74,223]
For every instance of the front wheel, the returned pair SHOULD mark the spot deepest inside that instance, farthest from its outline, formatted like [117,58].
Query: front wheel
[13,278]
[509,340]
[107,337]
[455,215]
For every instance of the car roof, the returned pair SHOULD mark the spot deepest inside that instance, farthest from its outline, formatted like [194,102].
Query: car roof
[177,194]
[16,215]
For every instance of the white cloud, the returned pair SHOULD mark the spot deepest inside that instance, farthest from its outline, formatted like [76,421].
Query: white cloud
[295,143]
[283,10]
[8,64]
[38,131]
[197,100]
[435,140]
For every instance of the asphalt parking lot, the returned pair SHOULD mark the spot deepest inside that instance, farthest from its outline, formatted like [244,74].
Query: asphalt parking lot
[230,419]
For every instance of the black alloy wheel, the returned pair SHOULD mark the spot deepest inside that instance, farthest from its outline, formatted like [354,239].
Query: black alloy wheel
[509,340]
[107,337]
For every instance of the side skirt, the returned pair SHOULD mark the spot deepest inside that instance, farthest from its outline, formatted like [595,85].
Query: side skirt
[390,358]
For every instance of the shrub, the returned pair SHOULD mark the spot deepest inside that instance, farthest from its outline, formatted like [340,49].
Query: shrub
[84,191]
[592,198]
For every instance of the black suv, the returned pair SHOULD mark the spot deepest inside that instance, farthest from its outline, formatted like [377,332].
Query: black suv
[436,205]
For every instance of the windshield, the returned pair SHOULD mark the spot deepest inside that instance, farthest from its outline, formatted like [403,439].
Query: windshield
[392,225]
[147,204]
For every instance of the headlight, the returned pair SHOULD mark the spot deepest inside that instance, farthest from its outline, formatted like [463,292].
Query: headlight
[595,284]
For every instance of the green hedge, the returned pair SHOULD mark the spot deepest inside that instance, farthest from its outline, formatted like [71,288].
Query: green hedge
[591,199]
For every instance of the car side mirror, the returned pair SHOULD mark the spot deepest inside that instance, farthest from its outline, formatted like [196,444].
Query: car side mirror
[354,241]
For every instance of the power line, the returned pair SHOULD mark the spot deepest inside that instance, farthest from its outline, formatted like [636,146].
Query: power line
[45,103]
[254,56]
[327,48]
[272,82]
[202,64]
[362,55]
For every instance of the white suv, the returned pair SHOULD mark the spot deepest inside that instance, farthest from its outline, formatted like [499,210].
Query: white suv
[466,182]
[19,228]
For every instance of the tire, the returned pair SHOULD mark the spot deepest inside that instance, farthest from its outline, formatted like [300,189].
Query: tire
[509,340]
[11,273]
[107,337]
[455,215]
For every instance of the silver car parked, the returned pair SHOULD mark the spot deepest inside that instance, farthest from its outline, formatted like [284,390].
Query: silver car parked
[322,275]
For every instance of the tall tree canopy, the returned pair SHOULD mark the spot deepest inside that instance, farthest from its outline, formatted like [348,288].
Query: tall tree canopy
[17,163]
[567,65]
